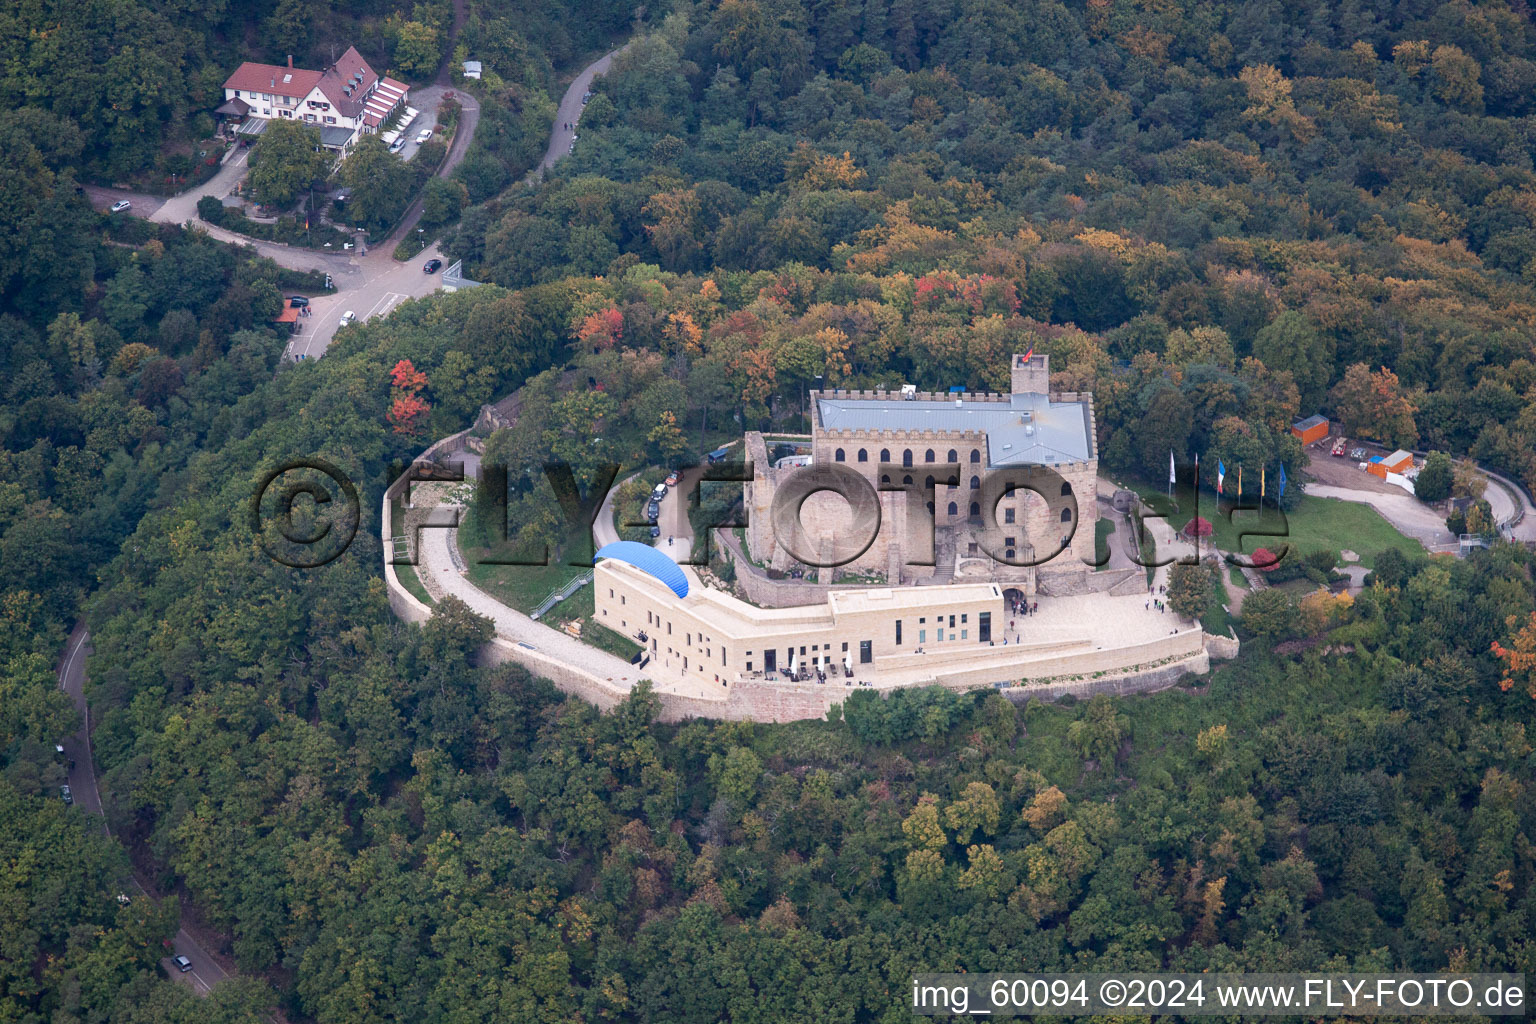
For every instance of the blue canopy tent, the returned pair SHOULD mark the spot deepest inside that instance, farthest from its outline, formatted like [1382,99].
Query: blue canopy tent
[646,559]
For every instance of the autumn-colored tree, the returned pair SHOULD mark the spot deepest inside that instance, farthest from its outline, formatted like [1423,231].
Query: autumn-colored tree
[1373,405]
[668,441]
[1189,589]
[826,172]
[601,329]
[682,334]
[407,409]
[1519,657]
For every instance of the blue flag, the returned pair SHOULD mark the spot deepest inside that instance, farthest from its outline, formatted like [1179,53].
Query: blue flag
[1282,479]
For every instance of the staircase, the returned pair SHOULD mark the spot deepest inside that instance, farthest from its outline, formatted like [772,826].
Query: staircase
[943,562]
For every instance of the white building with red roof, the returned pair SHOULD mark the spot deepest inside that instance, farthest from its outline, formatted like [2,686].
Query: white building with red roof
[347,100]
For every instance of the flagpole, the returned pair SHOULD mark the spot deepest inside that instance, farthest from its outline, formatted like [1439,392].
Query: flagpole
[1197,508]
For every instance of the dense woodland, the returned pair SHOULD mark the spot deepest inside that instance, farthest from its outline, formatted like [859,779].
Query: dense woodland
[1215,216]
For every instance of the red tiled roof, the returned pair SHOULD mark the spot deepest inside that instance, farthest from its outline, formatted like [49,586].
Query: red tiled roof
[273,78]
[341,85]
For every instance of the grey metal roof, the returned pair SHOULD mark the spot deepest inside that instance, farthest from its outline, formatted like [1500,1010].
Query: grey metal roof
[335,136]
[1028,429]
[1310,421]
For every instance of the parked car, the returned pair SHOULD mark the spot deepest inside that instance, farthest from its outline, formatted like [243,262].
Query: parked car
[66,795]
[397,145]
[423,136]
[182,963]
[653,511]
[655,530]
[1339,447]
[659,492]
[432,266]
[121,205]
[672,480]
[347,318]
[297,301]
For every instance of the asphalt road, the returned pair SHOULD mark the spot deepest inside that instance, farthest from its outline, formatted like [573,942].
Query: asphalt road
[369,283]
[205,972]
[560,137]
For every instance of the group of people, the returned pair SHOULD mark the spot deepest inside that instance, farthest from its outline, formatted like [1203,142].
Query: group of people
[1154,601]
[1019,606]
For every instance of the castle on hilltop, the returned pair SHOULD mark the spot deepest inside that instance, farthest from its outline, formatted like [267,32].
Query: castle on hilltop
[945,448]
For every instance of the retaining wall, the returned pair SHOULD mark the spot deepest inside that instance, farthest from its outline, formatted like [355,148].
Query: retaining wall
[1167,659]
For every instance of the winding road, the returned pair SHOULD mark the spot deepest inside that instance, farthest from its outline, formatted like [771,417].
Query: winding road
[205,972]
[561,137]
[369,282]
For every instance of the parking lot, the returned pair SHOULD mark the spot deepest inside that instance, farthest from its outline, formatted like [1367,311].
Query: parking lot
[426,119]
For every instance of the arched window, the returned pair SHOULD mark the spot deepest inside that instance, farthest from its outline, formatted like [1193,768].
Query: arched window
[906,458]
[975,455]
[954,509]
[1066,515]
[930,508]
[928,483]
[907,479]
[838,456]
[863,455]
[954,456]
[975,508]
[1008,490]
[885,478]
[1066,489]
[975,483]
[928,456]
[885,455]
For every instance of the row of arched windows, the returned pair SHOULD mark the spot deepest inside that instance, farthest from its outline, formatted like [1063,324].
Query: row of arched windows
[906,456]
[885,456]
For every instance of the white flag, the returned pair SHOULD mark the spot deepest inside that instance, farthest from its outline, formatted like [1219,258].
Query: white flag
[1171,478]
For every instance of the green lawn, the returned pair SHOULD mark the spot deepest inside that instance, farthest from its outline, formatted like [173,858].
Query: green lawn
[523,586]
[603,638]
[1216,621]
[1316,524]
[412,583]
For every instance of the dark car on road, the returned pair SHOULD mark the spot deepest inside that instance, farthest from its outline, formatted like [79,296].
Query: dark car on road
[652,511]
[66,795]
[297,301]
[432,266]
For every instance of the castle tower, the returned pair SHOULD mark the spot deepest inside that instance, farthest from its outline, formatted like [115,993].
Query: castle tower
[1031,373]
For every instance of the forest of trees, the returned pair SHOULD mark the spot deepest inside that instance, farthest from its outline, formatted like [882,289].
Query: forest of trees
[1216,216]
[1340,192]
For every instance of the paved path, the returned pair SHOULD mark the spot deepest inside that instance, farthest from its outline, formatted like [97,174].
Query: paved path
[438,573]
[676,539]
[560,138]
[373,283]
[144,204]
[427,101]
[181,208]
[377,284]
[441,577]
[205,972]
[1507,500]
